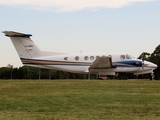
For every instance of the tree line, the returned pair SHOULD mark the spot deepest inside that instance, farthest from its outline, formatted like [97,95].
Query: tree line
[26,72]
[154,58]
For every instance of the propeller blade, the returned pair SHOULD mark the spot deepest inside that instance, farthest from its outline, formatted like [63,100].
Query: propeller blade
[143,61]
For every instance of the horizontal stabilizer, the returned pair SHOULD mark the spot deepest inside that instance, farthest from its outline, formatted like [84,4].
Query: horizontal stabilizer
[16,34]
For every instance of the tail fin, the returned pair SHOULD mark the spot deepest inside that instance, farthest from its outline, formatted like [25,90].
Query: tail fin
[24,46]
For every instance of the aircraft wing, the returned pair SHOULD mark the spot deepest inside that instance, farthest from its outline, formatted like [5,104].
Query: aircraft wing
[103,62]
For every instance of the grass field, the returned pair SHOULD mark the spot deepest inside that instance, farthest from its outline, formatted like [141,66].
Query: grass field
[79,100]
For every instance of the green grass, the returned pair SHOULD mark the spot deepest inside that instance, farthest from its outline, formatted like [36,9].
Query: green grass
[79,100]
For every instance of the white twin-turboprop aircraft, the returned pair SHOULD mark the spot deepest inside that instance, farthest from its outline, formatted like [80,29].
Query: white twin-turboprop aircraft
[101,63]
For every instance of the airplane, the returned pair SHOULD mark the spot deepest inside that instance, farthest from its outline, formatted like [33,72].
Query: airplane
[87,63]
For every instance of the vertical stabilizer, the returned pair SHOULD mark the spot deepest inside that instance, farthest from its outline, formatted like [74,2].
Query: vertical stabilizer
[24,46]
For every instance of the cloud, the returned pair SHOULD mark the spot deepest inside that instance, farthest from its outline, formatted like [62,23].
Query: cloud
[71,5]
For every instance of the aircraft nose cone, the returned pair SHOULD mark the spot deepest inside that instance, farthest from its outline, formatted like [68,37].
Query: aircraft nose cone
[154,66]
[150,64]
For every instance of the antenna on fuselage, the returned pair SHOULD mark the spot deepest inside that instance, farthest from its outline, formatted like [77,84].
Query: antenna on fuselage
[81,51]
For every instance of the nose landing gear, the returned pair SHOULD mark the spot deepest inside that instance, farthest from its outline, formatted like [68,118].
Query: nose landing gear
[152,76]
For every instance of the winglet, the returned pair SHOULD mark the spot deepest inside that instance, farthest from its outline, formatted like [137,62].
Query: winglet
[16,34]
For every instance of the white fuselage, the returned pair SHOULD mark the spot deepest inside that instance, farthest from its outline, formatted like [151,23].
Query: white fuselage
[80,63]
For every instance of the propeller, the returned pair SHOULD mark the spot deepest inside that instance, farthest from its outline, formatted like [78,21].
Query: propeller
[143,61]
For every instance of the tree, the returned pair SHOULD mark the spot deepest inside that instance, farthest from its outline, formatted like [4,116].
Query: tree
[155,58]
[144,56]
[5,73]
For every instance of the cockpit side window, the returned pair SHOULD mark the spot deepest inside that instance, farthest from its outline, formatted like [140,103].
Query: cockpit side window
[122,57]
[128,56]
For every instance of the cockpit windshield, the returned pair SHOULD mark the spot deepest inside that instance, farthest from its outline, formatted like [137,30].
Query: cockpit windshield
[122,57]
[129,56]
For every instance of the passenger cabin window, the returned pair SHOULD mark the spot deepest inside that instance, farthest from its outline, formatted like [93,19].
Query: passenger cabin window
[76,58]
[65,58]
[110,56]
[122,57]
[86,57]
[97,57]
[92,57]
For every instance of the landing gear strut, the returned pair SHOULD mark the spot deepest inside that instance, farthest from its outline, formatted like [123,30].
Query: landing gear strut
[152,76]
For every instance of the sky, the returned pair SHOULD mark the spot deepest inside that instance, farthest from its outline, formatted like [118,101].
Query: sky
[90,26]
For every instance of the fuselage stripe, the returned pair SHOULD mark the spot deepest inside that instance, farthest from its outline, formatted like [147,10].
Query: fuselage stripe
[67,63]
